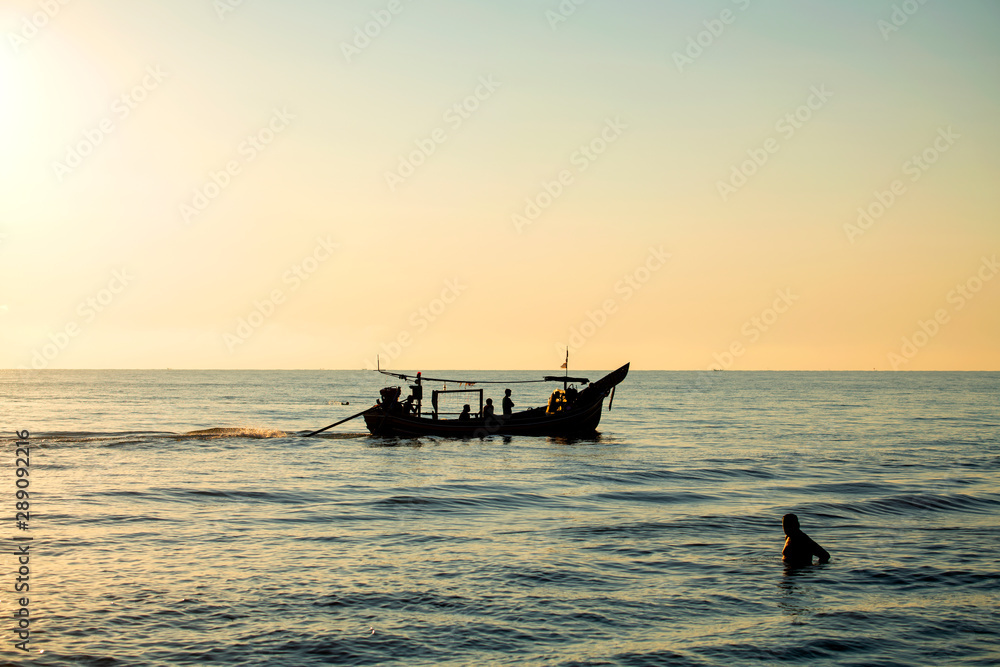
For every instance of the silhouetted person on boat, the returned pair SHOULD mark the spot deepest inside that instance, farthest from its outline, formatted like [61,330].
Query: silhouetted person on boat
[465,416]
[508,405]
[799,547]
[488,409]
[390,400]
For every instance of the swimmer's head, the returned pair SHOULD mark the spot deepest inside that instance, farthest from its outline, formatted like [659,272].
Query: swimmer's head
[790,523]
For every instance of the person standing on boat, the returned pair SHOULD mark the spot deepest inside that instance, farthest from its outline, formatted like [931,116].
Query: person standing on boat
[799,548]
[508,405]
[488,409]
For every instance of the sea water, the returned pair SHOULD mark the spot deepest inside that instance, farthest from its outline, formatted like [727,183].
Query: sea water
[180,518]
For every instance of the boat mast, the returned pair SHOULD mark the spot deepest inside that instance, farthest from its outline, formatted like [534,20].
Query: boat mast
[566,366]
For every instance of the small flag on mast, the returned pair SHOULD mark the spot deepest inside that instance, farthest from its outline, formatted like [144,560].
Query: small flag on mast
[566,363]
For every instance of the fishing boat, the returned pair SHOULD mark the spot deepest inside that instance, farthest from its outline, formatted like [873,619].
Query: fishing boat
[569,412]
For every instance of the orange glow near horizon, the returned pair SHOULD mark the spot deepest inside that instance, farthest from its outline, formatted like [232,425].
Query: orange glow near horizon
[483,187]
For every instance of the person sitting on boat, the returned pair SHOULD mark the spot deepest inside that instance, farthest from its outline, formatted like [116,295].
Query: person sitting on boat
[571,395]
[799,547]
[488,409]
[390,400]
[557,401]
[508,404]
[466,414]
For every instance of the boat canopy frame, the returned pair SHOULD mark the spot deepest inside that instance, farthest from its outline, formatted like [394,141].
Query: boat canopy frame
[436,392]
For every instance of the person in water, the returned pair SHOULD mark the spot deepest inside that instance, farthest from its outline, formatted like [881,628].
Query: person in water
[465,413]
[799,547]
[488,409]
[508,405]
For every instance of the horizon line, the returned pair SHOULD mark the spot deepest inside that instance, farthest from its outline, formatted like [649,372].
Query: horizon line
[538,370]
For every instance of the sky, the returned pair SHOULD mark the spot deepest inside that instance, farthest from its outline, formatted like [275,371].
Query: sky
[444,184]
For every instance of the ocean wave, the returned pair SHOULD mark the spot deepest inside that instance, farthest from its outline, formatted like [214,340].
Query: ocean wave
[658,497]
[809,651]
[905,505]
[927,576]
[234,432]
[58,438]
[467,502]
[125,438]
[241,496]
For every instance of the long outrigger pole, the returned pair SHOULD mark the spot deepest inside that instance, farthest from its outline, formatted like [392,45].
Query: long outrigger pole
[547,378]
[564,378]
[309,435]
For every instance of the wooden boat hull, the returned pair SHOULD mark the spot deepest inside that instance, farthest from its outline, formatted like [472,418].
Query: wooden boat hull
[581,419]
